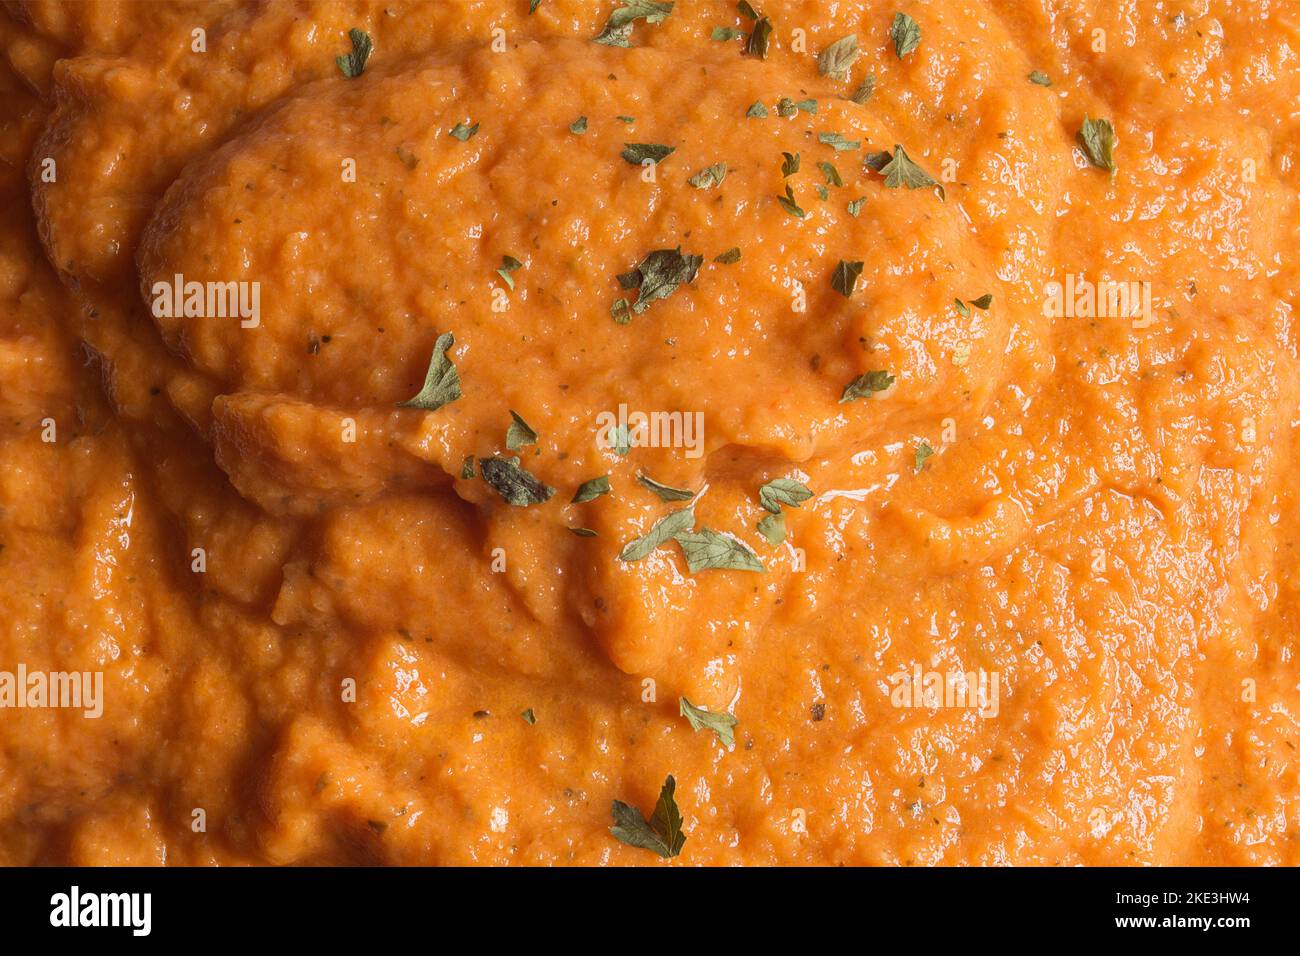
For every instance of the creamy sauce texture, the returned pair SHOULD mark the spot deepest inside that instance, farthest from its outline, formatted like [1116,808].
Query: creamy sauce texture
[324,639]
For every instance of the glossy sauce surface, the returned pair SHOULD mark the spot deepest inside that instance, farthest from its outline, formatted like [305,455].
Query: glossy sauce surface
[1107,522]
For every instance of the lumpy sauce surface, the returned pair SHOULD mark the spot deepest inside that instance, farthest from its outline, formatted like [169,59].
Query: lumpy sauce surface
[326,635]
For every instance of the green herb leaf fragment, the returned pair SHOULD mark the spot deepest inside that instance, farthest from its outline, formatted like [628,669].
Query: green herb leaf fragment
[441,381]
[661,532]
[662,833]
[1098,140]
[659,275]
[721,723]
[845,277]
[706,549]
[866,384]
[760,38]
[508,265]
[906,34]
[838,142]
[665,492]
[789,205]
[618,28]
[830,172]
[772,528]
[900,170]
[836,60]
[863,92]
[519,433]
[591,489]
[354,64]
[709,176]
[639,153]
[783,491]
[514,484]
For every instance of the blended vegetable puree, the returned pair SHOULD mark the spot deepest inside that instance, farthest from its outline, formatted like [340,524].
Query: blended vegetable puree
[579,432]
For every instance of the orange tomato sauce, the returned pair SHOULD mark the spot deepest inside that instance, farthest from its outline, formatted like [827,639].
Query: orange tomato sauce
[318,635]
